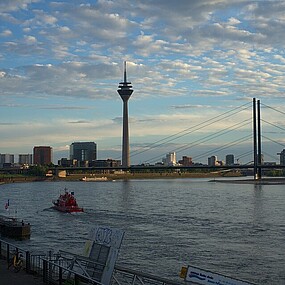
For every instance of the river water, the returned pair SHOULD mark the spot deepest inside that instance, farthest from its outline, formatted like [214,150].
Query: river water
[232,229]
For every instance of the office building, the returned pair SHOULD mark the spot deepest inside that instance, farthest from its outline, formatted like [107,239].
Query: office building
[170,159]
[42,155]
[230,159]
[186,161]
[83,152]
[6,159]
[25,159]
[282,157]
[212,161]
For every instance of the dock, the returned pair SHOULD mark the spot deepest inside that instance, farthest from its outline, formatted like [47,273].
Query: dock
[13,228]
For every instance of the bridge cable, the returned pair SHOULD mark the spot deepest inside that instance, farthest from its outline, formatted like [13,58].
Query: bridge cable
[196,127]
[274,109]
[207,138]
[224,146]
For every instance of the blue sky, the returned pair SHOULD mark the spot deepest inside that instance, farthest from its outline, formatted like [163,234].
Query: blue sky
[188,61]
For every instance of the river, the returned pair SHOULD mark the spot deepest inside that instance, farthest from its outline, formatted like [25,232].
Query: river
[232,229]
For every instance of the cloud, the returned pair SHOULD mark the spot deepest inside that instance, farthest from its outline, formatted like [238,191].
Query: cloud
[62,61]
[14,5]
[80,122]
[6,124]
[6,33]
[68,79]
[191,106]
[30,39]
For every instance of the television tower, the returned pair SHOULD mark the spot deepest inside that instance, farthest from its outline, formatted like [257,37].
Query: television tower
[125,92]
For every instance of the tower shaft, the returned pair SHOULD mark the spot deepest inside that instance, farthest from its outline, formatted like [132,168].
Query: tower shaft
[125,92]
[125,140]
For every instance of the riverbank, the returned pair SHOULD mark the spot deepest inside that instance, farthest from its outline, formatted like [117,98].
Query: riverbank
[111,177]
[213,177]
[20,179]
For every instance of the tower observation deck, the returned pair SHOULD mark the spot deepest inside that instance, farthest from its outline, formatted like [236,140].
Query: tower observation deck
[125,92]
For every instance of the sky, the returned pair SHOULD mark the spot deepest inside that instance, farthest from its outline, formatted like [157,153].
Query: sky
[189,61]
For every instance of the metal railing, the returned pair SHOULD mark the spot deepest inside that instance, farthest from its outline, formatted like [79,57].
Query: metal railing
[122,276]
[64,268]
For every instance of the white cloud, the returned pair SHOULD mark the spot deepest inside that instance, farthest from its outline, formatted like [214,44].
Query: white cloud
[6,33]
[30,39]
[14,5]
[182,55]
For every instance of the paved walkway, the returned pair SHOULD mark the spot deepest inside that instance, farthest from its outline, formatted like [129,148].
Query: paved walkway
[9,277]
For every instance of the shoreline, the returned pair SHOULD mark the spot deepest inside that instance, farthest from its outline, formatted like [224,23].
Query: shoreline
[110,177]
[130,176]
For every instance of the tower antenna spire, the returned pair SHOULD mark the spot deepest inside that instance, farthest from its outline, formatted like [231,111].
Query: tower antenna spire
[125,72]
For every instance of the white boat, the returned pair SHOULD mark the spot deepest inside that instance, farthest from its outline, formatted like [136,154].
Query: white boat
[92,179]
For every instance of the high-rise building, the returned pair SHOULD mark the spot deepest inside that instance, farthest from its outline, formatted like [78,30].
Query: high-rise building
[186,161]
[212,161]
[125,92]
[42,155]
[230,159]
[83,152]
[6,159]
[25,159]
[170,159]
[282,157]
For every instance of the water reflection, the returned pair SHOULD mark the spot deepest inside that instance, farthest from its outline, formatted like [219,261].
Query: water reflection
[126,197]
[258,210]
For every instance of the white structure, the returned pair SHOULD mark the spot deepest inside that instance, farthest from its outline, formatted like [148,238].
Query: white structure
[102,247]
[282,157]
[170,159]
[205,277]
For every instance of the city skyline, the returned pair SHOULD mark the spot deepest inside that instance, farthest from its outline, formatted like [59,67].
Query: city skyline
[170,159]
[60,63]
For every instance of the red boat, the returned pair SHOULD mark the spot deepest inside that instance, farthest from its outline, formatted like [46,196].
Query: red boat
[66,203]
